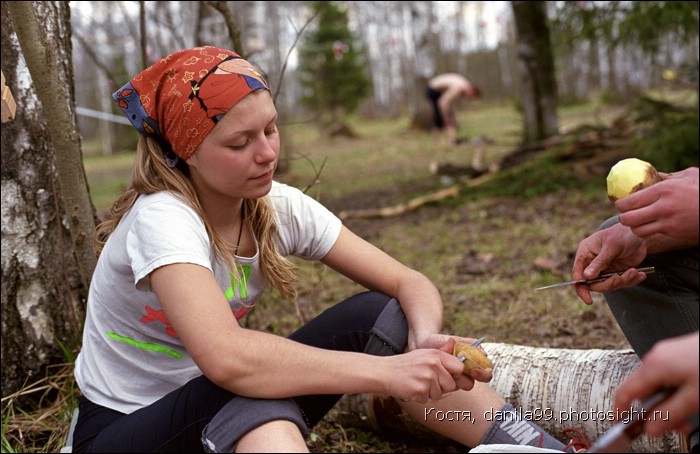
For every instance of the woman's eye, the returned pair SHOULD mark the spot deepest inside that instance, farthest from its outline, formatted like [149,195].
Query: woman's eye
[239,146]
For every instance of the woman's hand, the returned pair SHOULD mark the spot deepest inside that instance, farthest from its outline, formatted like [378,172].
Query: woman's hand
[424,374]
[446,343]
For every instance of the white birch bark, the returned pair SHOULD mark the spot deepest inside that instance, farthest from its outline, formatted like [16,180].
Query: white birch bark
[575,387]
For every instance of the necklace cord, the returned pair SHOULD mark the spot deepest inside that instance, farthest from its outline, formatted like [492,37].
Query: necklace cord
[240,229]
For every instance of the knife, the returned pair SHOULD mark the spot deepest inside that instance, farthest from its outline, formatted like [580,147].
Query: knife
[473,344]
[625,432]
[601,278]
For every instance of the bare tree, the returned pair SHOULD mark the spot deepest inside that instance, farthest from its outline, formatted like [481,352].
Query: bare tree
[47,223]
[231,25]
[539,87]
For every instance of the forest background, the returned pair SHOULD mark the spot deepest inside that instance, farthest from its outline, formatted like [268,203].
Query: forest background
[623,76]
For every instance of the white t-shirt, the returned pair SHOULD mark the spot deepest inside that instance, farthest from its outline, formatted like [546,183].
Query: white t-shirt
[130,355]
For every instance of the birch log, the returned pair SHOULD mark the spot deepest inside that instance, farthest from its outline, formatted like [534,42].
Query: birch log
[556,388]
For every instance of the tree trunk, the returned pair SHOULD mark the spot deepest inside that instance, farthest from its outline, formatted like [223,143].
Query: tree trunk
[233,31]
[49,60]
[42,289]
[424,66]
[593,79]
[556,388]
[539,87]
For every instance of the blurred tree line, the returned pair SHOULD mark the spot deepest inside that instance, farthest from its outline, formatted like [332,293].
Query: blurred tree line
[622,48]
[610,49]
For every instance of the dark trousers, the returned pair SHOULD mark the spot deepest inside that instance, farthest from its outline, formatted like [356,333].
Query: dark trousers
[434,95]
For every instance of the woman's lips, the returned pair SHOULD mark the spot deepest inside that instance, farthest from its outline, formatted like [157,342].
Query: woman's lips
[265,175]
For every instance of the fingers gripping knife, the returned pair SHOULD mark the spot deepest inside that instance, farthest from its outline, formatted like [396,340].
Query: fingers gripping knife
[625,432]
[601,278]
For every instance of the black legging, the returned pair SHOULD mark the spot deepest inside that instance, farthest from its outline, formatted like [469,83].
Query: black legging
[434,95]
[369,322]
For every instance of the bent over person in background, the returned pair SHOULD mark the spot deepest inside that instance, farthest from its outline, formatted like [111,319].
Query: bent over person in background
[189,249]
[444,91]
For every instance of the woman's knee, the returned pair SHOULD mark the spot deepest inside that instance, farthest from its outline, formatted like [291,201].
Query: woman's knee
[274,436]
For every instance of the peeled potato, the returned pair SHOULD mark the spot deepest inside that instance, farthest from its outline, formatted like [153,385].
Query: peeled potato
[628,176]
[475,358]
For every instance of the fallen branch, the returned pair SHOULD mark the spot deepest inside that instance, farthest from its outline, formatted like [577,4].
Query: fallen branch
[415,203]
[402,208]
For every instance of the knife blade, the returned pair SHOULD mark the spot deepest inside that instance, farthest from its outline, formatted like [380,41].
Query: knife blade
[478,341]
[473,344]
[622,434]
[601,278]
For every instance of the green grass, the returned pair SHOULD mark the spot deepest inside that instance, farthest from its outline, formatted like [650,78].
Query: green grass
[108,176]
[389,154]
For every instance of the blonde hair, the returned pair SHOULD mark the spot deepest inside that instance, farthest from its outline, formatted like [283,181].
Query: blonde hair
[151,174]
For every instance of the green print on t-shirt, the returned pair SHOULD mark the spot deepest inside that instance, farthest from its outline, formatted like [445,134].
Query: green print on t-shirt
[240,283]
[153,315]
[149,346]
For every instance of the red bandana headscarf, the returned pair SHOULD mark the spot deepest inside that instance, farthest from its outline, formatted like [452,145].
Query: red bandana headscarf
[180,98]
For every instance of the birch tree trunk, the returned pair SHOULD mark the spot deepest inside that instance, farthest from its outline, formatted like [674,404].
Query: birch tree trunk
[42,289]
[556,388]
[44,37]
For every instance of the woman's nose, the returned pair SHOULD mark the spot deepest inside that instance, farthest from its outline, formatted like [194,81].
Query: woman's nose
[267,151]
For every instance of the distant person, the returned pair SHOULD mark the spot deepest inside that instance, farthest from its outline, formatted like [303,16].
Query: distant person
[190,247]
[444,91]
[658,313]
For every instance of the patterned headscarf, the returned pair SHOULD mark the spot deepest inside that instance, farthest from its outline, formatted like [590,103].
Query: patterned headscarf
[180,98]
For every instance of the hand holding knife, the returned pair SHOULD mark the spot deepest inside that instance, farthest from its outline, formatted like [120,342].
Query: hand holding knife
[601,278]
[621,435]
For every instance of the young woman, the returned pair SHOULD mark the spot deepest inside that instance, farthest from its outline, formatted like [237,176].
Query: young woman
[188,251]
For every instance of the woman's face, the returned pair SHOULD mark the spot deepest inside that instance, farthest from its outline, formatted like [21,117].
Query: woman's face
[238,157]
